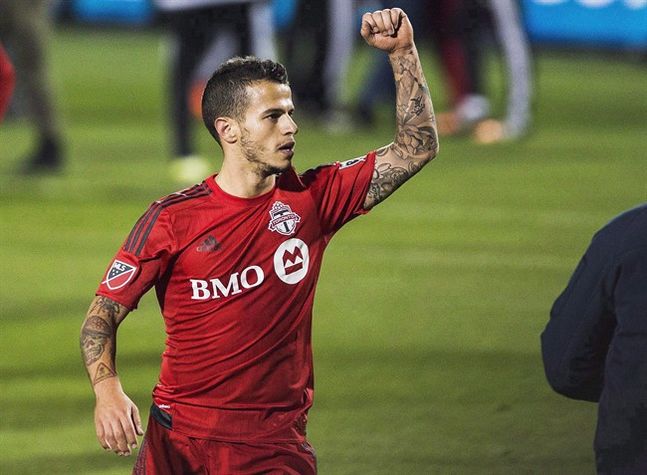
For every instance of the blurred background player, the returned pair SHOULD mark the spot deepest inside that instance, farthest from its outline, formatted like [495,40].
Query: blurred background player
[7,81]
[25,30]
[506,18]
[205,33]
[319,44]
[595,344]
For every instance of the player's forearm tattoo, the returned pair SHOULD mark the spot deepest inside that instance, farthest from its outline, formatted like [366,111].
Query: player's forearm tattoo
[98,336]
[103,372]
[416,136]
[416,140]
[95,334]
[105,305]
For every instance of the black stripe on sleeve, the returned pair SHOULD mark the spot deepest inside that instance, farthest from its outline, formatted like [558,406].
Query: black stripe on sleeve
[139,235]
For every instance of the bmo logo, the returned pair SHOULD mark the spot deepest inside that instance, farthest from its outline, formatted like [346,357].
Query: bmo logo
[249,278]
[291,261]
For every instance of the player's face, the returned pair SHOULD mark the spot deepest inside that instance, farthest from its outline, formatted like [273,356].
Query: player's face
[267,129]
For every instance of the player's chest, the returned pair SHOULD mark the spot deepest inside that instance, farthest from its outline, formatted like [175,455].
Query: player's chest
[279,239]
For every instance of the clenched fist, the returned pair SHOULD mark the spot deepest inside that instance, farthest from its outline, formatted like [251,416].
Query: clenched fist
[388,30]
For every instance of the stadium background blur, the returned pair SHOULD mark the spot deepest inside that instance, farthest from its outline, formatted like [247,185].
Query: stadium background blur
[429,310]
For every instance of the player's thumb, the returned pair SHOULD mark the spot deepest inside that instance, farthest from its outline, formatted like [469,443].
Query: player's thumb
[137,420]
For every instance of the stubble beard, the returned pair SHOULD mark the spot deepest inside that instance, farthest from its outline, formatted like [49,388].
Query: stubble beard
[252,151]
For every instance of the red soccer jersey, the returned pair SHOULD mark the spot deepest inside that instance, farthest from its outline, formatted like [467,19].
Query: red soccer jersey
[235,279]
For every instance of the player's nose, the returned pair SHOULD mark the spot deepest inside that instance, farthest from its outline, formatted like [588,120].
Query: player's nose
[290,127]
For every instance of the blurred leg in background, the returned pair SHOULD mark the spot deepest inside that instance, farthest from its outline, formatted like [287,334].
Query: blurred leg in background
[7,81]
[513,43]
[456,26]
[227,43]
[204,37]
[461,29]
[25,30]
[319,45]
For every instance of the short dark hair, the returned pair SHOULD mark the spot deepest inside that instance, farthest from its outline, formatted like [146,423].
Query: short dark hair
[225,94]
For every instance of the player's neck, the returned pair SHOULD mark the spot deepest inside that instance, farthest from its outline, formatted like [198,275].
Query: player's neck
[243,183]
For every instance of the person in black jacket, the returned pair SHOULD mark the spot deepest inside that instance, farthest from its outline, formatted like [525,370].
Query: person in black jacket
[595,345]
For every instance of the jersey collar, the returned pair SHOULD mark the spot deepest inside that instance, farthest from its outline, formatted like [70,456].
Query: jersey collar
[289,181]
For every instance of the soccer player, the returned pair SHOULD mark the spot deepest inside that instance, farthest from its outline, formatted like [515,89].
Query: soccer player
[595,344]
[234,261]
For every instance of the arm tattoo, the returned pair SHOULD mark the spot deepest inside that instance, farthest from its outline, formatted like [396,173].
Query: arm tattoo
[387,178]
[416,140]
[96,332]
[103,372]
[105,305]
[98,337]
[416,123]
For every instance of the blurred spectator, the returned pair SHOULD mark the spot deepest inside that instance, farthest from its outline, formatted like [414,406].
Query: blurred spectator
[595,344]
[205,33]
[25,29]
[319,45]
[457,29]
[7,81]
[515,50]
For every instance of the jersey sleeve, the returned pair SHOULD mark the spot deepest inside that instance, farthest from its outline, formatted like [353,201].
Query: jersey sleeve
[142,260]
[339,190]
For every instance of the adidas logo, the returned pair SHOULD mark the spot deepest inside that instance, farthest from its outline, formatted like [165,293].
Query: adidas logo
[209,245]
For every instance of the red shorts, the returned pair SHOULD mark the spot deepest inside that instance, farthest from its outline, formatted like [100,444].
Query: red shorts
[165,452]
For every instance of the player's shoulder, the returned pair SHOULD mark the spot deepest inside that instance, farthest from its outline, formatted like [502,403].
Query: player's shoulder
[181,200]
[166,216]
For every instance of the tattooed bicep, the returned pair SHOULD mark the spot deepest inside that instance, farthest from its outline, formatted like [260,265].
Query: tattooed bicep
[390,172]
[104,307]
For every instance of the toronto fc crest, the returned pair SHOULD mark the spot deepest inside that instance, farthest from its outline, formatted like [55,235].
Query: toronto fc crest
[282,219]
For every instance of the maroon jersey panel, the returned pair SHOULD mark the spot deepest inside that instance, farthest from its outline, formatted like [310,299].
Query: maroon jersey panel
[235,279]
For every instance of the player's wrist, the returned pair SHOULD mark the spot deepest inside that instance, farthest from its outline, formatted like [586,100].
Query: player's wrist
[402,51]
[108,387]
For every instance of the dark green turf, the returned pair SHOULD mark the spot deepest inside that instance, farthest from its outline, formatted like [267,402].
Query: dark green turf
[429,309]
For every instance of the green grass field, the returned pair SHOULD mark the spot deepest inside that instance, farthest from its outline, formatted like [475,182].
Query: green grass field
[429,309]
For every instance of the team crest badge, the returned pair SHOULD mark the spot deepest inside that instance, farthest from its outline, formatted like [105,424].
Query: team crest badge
[282,219]
[119,274]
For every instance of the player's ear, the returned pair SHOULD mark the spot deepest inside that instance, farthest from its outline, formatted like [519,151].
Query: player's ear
[227,129]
